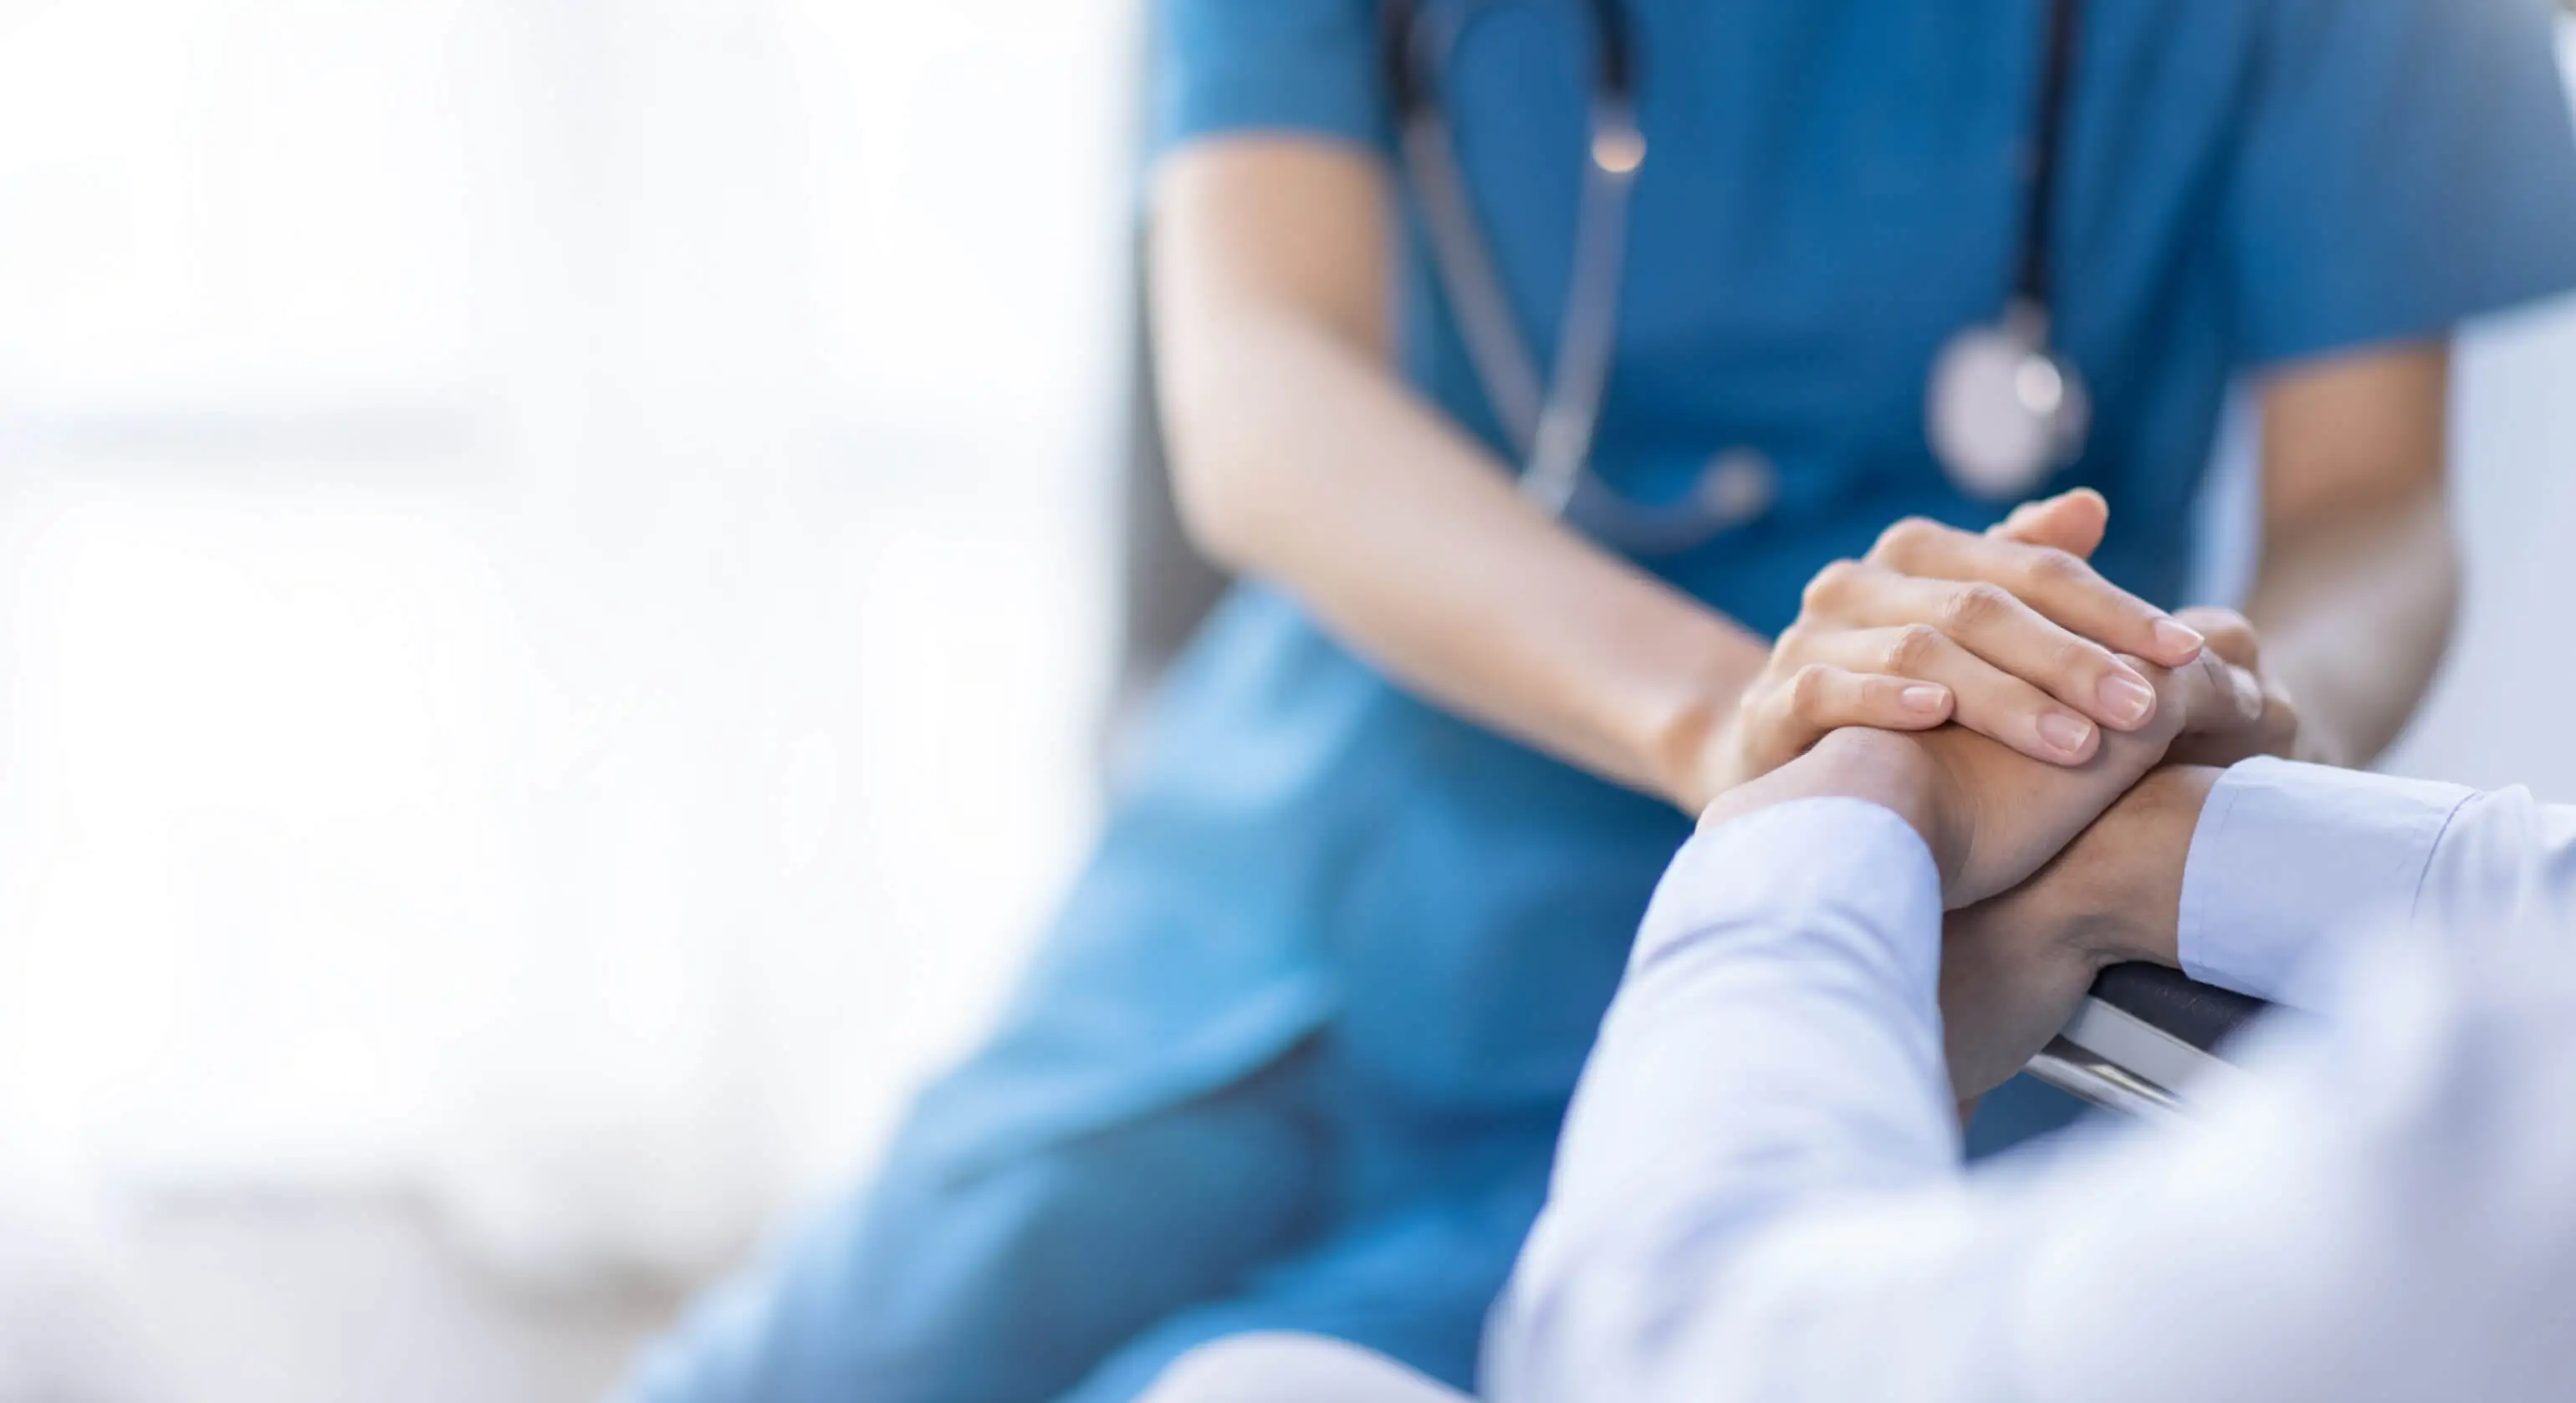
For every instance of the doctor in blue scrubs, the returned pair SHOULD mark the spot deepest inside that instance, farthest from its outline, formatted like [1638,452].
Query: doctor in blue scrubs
[1294,1054]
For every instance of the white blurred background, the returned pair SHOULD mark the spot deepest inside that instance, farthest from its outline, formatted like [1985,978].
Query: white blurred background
[556,561]
[554,590]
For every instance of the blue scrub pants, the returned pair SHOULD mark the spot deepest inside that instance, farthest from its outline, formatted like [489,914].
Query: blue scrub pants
[1296,1199]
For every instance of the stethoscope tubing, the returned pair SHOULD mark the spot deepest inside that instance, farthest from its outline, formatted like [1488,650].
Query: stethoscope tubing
[1551,420]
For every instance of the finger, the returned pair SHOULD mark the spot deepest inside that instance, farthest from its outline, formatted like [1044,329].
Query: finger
[2227,633]
[1821,698]
[1984,698]
[1991,622]
[2210,696]
[2070,521]
[2057,583]
[2248,690]
[2229,714]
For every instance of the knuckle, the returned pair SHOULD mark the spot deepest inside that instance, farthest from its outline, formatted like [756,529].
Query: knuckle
[2047,567]
[1810,689]
[2069,656]
[1976,606]
[1912,649]
[1903,539]
[2233,639]
[1830,585]
[2226,632]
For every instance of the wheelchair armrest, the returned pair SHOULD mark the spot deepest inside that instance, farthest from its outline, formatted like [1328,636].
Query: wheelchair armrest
[2144,1037]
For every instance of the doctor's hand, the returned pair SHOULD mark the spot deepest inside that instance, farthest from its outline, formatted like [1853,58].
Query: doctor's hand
[2008,633]
[1991,815]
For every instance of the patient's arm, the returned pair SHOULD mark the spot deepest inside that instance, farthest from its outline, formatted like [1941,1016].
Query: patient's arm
[2015,969]
[1757,1195]
[2241,880]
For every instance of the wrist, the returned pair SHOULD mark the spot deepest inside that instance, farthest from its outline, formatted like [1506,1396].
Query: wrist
[1892,771]
[1683,741]
[2116,893]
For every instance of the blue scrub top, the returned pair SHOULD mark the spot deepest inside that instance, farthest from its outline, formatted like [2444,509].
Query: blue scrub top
[1831,193]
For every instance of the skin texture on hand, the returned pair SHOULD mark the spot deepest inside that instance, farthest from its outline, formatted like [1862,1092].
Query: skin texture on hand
[1991,816]
[2008,815]
[2008,633]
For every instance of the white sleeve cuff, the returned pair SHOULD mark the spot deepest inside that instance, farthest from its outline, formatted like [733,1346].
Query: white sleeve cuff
[2288,856]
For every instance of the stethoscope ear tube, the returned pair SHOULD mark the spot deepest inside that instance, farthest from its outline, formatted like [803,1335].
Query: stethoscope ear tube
[1562,447]
[1495,347]
[1550,420]
[2003,409]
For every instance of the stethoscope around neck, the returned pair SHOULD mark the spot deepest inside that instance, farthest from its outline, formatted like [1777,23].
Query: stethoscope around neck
[2002,410]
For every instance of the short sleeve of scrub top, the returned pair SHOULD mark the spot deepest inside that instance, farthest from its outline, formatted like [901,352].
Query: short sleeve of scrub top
[1308,66]
[2405,164]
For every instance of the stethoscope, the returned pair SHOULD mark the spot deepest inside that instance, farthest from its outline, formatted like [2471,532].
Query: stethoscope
[2003,409]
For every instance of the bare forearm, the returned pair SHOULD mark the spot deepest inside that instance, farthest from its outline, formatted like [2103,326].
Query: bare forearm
[1412,546]
[2355,614]
[1301,458]
[2359,578]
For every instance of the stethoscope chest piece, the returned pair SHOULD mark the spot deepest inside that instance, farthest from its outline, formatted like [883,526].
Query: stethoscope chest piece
[2005,410]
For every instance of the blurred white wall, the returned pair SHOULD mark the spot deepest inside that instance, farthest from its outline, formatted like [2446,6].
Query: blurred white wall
[552,569]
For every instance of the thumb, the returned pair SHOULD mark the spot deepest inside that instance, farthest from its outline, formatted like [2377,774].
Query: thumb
[2070,521]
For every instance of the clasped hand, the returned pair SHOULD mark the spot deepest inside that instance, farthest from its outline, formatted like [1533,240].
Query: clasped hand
[1996,810]
[2009,633]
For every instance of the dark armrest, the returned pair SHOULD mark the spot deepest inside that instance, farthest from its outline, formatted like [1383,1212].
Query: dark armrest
[2143,1038]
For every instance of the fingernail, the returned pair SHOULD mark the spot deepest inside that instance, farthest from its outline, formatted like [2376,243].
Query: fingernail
[2126,699]
[2063,733]
[2179,643]
[1926,700]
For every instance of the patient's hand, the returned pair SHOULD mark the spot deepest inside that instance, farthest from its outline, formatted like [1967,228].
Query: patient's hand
[2015,968]
[2275,731]
[2003,816]
[2016,962]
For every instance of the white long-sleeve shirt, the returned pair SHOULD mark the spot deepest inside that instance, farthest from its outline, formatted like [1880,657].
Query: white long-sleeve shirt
[1759,1193]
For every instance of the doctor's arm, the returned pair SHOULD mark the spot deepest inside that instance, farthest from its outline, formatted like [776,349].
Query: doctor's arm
[1301,457]
[1298,456]
[2358,581]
